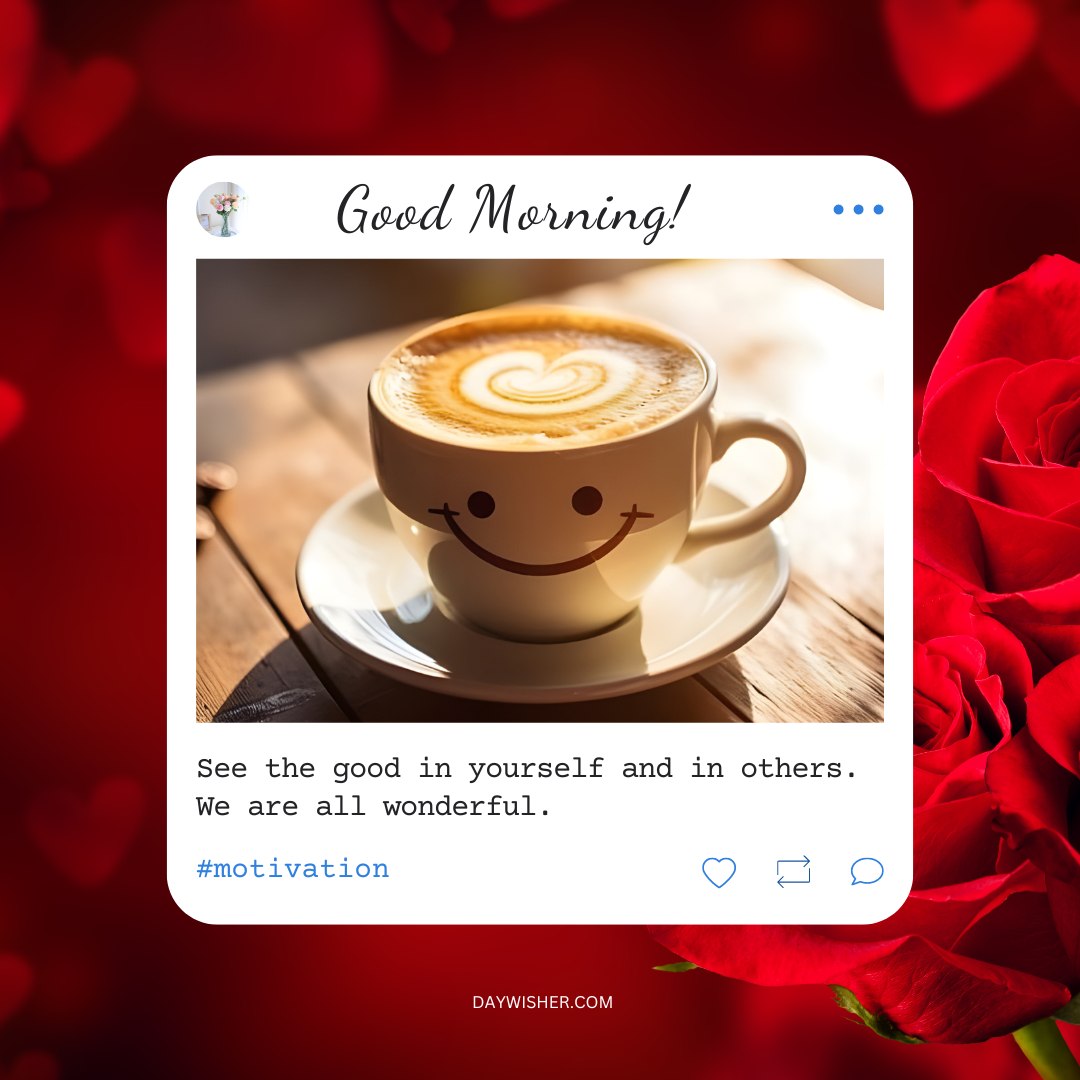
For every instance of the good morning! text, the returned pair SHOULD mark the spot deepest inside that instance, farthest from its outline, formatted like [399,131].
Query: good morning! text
[502,211]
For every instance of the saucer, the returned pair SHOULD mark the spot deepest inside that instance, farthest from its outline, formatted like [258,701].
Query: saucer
[363,591]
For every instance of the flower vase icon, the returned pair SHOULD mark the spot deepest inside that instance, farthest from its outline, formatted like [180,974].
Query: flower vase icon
[224,205]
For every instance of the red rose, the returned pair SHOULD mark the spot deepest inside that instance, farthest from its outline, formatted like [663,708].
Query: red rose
[997,482]
[977,948]
[1034,783]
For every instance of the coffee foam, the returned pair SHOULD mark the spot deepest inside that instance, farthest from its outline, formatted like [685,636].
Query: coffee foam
[538,380]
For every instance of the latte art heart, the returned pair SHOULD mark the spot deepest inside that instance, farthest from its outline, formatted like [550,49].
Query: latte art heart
[526,383]
[537,379]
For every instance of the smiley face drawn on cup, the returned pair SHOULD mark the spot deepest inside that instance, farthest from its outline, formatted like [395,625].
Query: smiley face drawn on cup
[543,465]
[587,500]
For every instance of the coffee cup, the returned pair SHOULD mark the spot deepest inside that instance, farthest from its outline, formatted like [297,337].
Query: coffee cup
[542,464]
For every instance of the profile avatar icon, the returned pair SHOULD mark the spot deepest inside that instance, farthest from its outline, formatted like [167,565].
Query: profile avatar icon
[218,206]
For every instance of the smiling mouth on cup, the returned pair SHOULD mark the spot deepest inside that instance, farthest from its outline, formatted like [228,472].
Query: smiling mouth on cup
[540,569]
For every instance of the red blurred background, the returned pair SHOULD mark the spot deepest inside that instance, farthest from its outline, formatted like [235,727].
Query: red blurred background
[976,101]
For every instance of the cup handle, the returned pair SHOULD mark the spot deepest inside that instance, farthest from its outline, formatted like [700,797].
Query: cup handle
[726,433]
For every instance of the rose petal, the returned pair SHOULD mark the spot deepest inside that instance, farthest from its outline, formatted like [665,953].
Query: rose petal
[960,428]
[1054,715]
[938,702]
[947,534]
[959,431]
[1027,394]
[771,955]
[1046,620]
[1063,437]
[954,701]
[942,608]
[1030,794]
[939,996]
[1064,898]
[1032,489]
[1034,316]
[947,541]
[1019,932]
[981,690]
[959,778]
[1024,551]
[954,841]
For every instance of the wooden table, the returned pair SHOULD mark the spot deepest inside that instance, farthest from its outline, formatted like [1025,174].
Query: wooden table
[295,428]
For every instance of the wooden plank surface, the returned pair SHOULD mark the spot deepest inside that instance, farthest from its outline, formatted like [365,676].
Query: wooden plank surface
[246,668]
[296,430]
[291,464]
[813,663]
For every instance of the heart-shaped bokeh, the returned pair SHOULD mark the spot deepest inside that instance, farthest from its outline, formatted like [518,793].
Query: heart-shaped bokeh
[69,110]
[306,71]
[12,407]
[948,52]
[19,20]
[23,189]
[425,22]
[1060,46]
[132,273]
[15,980]
[520,9]
[86,839]
[32,1065]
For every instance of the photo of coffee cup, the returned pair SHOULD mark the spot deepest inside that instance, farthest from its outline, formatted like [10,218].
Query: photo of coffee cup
[542,465]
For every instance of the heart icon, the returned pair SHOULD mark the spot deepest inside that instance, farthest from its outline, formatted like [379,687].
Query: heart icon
[718,872]
[87,839]
[949,52]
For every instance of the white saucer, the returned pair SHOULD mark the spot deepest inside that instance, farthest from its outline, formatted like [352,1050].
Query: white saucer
[364,592]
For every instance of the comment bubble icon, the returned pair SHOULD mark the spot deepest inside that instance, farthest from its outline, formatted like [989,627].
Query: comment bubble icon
[866,872]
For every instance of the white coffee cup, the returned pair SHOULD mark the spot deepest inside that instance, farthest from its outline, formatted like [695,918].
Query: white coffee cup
[539,569]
